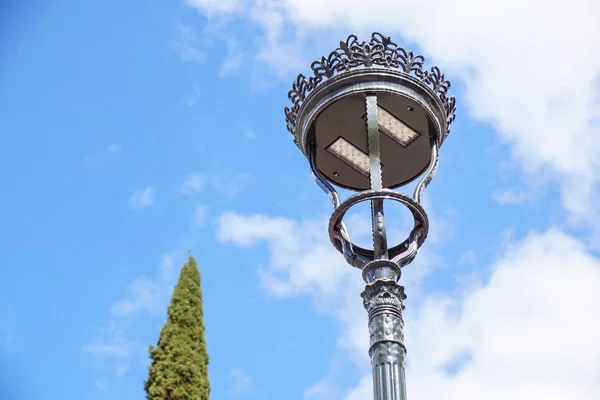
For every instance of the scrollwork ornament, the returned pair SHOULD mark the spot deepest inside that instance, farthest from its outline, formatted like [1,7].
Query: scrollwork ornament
[354,52]
[380,51]
[411,62]
[450,107]
[290,120]
[388,51]
[438,82]
[299,89]
[325,68]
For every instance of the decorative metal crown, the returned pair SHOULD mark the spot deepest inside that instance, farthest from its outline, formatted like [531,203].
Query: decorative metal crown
[380,51]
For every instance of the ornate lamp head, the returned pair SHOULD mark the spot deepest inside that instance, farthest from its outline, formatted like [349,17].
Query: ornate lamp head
[371,119]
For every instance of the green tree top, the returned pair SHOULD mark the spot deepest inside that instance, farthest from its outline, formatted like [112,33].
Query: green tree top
[179,368]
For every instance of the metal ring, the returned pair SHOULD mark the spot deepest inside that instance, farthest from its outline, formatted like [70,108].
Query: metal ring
[417,235]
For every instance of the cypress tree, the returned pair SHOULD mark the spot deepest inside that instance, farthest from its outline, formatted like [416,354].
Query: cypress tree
[179,368]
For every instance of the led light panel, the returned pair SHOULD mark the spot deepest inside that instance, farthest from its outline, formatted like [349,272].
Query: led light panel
[394,128]
[351,155]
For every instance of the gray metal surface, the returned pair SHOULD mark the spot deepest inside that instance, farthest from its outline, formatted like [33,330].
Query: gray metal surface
[378,225]
[372,72]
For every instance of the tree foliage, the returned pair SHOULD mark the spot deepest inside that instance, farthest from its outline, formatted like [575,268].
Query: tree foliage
[179,368]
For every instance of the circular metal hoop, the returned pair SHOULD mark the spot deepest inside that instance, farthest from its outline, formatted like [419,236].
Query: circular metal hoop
[416,237]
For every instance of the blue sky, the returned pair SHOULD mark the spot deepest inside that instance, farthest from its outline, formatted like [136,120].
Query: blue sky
[135,131]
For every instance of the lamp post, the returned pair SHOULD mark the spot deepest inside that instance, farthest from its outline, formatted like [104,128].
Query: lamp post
[371,119]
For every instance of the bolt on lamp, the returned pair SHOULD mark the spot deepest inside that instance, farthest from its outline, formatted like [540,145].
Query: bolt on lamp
[371,119]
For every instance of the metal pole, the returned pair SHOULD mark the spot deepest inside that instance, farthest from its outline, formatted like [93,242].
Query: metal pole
[383,297]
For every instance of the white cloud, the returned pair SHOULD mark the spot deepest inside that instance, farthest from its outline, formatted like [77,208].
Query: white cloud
[193,183]
[217,6]
[225,185]
[101,384]
[231,186]
[111,349]
[116,348]
[146,294]
[234,59]
[143,198]
[467,257]
[513,196]
[530,70]
[194,97]
[303,261]
[240,383]
[364,390]
[187,44]
[293,270]
[528,331]
[533,75]
[274,49]
[322,390]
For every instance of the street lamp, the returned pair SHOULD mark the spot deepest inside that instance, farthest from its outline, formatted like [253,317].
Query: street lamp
[371,119]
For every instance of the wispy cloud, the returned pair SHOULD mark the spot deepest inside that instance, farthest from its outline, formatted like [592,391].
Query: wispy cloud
[460,338]
[143,198]
[231,186]
[193,183]
[224,185]
[187,44]
[149,295]
[550,126]
[218,6]
[111,349]
[194,97]
[233,60]
[467,257]
[101,384]
[324,389]
[240,383]
[103,154]
[513,196]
